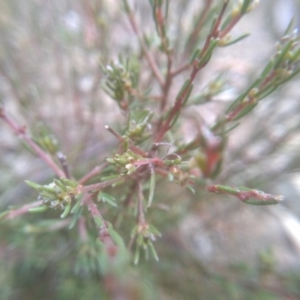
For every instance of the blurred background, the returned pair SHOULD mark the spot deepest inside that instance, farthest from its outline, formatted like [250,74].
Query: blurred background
[50,81]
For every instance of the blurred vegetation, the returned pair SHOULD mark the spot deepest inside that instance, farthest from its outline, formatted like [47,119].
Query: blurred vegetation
[142,130]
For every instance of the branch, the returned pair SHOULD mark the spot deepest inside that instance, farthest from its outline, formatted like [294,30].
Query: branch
[200,62]
[199,25]
[121,139]
[63,161]
[148,55]
[100,185]
[21,131]
[97,170]
[22,210]
[249,196]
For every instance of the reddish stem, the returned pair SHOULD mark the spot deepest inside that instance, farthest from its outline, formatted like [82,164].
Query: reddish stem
[21,131]
[149,57]
[121,139]
[97,170]
[179,102]
[23,210]
[100,185]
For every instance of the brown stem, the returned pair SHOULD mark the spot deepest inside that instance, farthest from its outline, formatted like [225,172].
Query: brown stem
[267,80]
[21,131]
[179,102]
[180,69]
[63,161]
[131,241]
[215,30]
[100,185]
[232,23]
[104,235]
[167,85]
[232,115]
[161,28]
[97,170]
[23,210]
[198,26]
[83,234]
[93,209]
[121,139]
[148,55]
[176,108]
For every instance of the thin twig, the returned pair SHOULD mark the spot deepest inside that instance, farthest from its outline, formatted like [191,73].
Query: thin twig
[93,209]
[126,203]
[83,234]
[23,210]
[63,161]
[167,84]
[148,55]
[181,69]
[131,241]
[232,23]
[176,108]
[101,185]
[21,131]
[97,170]
[179,102]
[198,26]
[122,139]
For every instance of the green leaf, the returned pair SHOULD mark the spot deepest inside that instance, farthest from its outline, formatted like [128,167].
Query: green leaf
[134,231]
[170,177]
[264,93]
[195,54]
[146,249]
[60,185]
[245,111]
[116,237]
[289,77]
[98,221]
[38,209]
[208,53]
[246,3]
[242,96]
[75,217]
[281,56]
[261,202]
[266,70]
[33,184]
[69,182]
[187,96]
[217,170]
[154,253]
[76,207]
[151,188]
[4,214]
[183,89]
[136,255]
[154,231]
[191,189]
[289,27]
[235,40]
[66,211]
[104,197]
[106,178]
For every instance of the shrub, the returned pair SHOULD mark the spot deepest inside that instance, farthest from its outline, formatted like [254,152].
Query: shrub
[116,111]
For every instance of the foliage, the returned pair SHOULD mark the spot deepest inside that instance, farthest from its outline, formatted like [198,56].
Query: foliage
[102,231]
